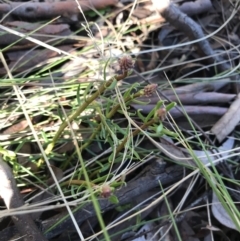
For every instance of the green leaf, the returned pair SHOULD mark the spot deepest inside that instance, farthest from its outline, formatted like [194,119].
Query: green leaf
[129,90]
[121,130]
[59,111]
[136,154]
[116,184]
[169,133]
[78,94]
[105,69]
[113,199]
[140,115]
[91,14]
[45,137]
[109,105]
[6,153]
[159,128]
[113,85]
[100,164]
[105,168]
[170,106]
[154,110]
[140,102]
[123,207]
[87,90]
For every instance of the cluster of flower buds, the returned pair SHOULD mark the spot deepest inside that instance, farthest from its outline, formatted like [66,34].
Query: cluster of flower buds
[162,113]
[149,90]
[106,191]
[126,63]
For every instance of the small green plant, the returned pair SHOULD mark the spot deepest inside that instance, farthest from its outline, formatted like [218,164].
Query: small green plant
[92,13]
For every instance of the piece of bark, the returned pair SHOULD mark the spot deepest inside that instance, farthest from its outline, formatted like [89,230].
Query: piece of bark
[15,128]
[193,98]
[203,98]
[113,232]
[26,27]
[45,33]
[199,110]
[202,120]
[20,61]
[13,199]
[190,110]
[203,86]
[214,85]
[44,10]
[228,122]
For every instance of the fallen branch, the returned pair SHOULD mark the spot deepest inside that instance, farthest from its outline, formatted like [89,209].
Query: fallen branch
[47,10]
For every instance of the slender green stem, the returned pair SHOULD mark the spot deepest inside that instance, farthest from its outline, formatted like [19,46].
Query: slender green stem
[81,108]
[127,99]
[137,131]
[77,182]
[108,116]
